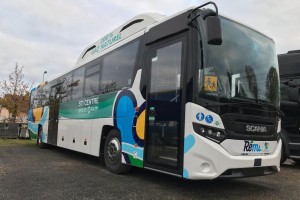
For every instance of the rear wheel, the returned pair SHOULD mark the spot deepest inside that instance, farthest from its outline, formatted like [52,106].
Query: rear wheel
[113,153]
[39,139]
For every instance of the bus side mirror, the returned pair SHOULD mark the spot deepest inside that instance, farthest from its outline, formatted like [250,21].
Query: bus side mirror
[213,30]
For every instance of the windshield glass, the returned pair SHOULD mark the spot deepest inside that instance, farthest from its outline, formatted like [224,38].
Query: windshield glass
[243,67]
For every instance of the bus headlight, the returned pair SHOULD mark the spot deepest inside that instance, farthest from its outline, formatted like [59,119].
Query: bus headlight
[214,134]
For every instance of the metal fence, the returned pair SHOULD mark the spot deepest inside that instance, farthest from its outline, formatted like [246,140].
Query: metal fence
[13,130]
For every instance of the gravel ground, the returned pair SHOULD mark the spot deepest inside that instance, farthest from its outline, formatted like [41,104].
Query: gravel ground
[27,172]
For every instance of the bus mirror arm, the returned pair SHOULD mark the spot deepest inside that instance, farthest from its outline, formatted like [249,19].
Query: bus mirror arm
[213,23]
[203,5]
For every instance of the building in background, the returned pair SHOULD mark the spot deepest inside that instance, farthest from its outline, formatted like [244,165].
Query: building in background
[5,116]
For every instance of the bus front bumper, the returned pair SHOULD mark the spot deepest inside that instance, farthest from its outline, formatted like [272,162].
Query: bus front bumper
[209,160]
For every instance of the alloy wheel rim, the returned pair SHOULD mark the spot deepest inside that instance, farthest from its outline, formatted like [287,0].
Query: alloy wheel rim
[113,150]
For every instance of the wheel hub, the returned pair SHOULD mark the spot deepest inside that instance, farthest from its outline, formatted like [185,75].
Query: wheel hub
[113,150]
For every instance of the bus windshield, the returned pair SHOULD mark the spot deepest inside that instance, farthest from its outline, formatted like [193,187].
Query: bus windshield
[244,67]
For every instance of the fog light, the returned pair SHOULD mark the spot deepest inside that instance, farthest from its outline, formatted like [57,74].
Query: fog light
[218,134]
[210,132]
[205,167]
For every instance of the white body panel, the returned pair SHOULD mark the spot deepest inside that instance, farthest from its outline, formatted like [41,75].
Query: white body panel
[63,133]
[241,147]
[82,130]
[205,159]
[74,133]
[96,134]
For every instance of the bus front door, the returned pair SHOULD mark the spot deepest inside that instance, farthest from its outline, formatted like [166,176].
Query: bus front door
[164,106]
[53,115]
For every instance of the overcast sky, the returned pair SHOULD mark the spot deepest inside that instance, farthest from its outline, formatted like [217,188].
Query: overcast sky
[49,35]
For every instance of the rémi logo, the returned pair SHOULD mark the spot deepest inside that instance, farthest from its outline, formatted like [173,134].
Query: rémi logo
[252,147]
[252,128]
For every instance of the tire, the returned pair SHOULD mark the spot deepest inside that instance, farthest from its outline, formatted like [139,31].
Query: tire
[113,153]
[284,154]
[39,142]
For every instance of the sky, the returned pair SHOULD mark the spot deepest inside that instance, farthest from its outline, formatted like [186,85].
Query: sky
[49,35]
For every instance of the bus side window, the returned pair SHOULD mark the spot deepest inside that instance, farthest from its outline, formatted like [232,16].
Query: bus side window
[44,95]
[77,83]
[118,67]
[66,87]
[33,97]
[92,81]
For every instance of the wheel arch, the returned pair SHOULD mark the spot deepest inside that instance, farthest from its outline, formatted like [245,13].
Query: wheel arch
[105,130]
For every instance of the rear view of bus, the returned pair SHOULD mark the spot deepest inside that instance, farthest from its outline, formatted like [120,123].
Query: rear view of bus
[194,95]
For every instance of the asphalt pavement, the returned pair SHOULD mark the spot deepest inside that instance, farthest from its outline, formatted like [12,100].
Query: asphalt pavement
[27,172]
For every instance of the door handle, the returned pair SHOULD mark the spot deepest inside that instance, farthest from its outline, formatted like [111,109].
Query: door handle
[152,112]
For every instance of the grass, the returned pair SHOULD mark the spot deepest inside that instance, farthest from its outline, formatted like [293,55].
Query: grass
[17,142]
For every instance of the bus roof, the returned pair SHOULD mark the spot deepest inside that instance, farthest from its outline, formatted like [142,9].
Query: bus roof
[289,63]
[133,28]
[129,28]
[128,31]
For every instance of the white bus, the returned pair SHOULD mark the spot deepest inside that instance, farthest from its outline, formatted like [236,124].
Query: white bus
[194,95]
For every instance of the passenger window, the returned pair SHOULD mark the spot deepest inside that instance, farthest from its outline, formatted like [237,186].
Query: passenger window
[92,81]
[66,87]
[33,99]
[44,95]
[118,68]
[166,74]
[77,84]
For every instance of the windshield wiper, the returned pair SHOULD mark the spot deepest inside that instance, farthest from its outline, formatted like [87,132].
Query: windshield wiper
[268,103]
[245,101]
[216,104]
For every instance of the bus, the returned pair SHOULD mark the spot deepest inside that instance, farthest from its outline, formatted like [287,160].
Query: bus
[290,104]
[194,95]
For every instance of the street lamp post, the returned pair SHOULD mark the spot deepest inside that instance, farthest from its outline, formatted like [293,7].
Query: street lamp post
[45,72]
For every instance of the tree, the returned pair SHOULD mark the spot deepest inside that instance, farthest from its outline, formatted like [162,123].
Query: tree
[15,94]
[252,81]
[272,86]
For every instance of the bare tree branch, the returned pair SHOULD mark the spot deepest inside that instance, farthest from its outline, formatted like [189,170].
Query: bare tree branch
[15,94]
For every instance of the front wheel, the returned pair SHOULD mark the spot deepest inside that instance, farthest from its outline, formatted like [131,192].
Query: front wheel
[113,153]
